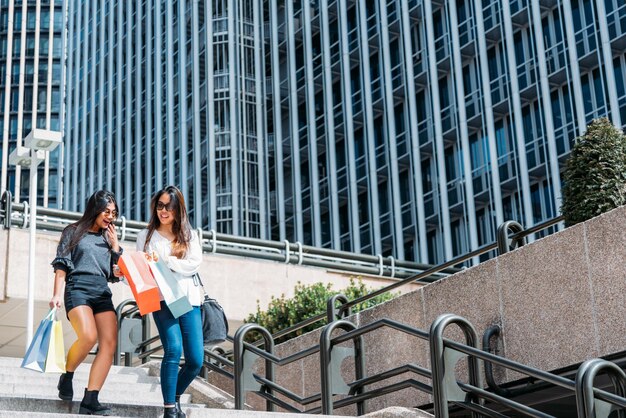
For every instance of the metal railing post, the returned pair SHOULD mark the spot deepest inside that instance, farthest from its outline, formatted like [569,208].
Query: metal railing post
[244,360]
[506,244]
[445,387]
[26,215]
[213,240]
[586,404]
[122,228]
[392,263]
[287,251]
[145,336]
[330,366]
[333,312]
[492,331]
[7,206]
[300,253]
[119,315]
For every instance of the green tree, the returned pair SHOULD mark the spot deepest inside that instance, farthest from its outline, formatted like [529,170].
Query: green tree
[595,173]
[308,301]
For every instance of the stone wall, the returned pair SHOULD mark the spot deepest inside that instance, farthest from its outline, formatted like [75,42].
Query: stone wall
[560,301]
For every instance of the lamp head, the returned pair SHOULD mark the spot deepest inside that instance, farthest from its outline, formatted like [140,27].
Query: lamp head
[42,139]
[21,157]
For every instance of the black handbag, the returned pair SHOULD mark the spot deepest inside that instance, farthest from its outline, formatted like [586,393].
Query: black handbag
[214,322]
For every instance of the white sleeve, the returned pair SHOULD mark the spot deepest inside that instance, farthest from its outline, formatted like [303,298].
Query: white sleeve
[189,265]
[141,239]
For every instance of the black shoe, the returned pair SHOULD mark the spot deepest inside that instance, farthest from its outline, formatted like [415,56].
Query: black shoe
[171,412]
[181,414]
[91,406]
[66,391]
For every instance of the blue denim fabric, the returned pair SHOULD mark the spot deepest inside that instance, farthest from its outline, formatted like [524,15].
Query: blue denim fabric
[178,335]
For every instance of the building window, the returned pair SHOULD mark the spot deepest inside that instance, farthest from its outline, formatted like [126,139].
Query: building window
[593,89]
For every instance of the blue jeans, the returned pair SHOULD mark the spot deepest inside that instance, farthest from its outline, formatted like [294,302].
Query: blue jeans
[178,335]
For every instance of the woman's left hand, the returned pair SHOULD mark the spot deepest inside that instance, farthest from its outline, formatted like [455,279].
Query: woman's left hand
[112,236]
[117,272]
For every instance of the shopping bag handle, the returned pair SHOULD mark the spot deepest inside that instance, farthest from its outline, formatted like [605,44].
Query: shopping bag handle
[52,314]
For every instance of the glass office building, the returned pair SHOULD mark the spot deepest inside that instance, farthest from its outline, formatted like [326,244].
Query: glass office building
[31,86]
[155,97]
[406,128]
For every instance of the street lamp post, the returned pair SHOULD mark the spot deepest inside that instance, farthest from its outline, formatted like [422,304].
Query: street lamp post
[29,156]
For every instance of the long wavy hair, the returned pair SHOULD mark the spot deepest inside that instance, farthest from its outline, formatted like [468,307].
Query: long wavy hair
[96,204]
[181,227]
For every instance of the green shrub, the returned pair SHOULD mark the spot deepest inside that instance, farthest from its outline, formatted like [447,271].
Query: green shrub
[595,173]
[308,301]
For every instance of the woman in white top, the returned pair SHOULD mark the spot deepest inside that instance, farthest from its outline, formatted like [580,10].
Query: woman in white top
[170,238]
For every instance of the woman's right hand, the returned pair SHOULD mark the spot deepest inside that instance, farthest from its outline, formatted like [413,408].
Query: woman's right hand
[152,256]
[56,302]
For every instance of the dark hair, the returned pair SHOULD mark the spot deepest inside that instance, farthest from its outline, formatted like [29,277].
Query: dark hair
[181,227]
[96,204]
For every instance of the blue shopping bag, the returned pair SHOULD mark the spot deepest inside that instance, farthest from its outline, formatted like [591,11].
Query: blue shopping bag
[35,358]
[173,295]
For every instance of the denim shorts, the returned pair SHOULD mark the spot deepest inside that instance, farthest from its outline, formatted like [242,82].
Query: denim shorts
[92,291]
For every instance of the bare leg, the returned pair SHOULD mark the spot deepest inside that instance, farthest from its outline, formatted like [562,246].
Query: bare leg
[106,324]
[84,324]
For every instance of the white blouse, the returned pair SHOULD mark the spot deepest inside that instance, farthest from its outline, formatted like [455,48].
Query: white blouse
[183,268]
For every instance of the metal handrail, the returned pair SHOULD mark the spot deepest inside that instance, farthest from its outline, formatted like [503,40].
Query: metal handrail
[267,387]
[442,358]
[122,314]
[215,242]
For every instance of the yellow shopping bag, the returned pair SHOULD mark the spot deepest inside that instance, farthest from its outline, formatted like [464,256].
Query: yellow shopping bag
[55,360]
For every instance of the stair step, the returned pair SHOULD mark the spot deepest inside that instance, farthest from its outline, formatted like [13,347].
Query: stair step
[130,376]
[140,398]
[133,394]
[65,408]
[26,414]
[191,413]
[233,413]
[128,391]
[13,363]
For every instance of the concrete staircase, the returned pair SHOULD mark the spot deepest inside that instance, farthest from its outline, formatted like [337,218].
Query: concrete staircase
[129,392]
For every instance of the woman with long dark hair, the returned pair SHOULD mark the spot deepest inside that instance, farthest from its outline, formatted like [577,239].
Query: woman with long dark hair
[86,261]
[169,237]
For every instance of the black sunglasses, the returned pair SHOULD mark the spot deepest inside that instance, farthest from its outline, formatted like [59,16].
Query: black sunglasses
[168,207]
